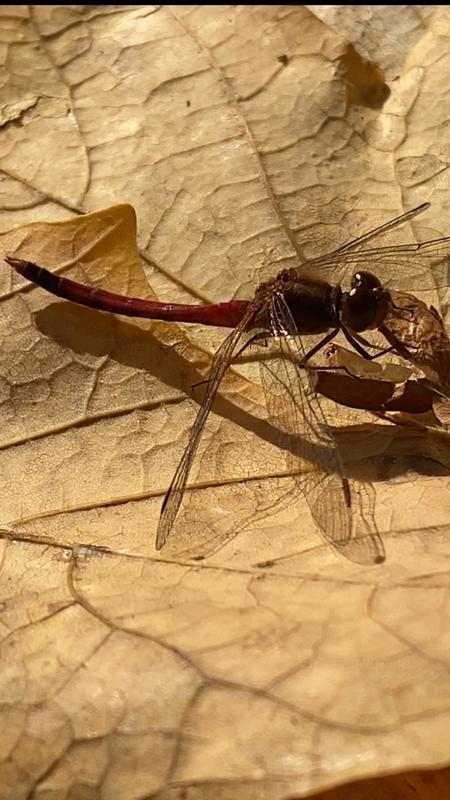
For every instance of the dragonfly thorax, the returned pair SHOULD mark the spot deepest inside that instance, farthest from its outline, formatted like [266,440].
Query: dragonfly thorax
[301,303]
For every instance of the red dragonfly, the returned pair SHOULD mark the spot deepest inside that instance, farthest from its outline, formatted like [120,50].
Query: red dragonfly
[299,302]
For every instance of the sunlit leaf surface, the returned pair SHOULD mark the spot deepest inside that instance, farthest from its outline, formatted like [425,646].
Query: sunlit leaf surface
[244,138]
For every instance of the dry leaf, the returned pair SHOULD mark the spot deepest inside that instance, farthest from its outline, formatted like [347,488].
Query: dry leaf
[243,137]
[390,390]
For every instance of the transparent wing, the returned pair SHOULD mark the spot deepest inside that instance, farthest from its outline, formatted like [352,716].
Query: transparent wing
[415,267]
[174,496]
[298,416]
[387,226]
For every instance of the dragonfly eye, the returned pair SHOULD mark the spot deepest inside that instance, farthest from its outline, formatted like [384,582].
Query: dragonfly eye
[366,305]
[359,310]
[365,280]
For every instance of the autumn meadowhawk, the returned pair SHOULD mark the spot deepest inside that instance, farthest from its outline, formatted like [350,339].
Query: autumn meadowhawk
[297,303]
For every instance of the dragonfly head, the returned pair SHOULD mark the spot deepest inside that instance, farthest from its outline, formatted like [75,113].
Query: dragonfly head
[366,304]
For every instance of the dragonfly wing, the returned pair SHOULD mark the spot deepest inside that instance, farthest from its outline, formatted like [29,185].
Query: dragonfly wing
[411,264]
[298,416]
[174,496]
[418,267]
[387,226]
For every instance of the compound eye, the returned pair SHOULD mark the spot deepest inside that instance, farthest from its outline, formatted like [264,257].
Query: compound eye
[364,307]
[359,309]
[365,280]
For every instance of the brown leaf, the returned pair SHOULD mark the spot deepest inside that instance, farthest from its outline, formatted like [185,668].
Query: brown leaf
[272,667]
[352,381]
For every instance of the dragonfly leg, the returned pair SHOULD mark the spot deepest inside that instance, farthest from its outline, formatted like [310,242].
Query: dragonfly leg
[381,353]
[318,347]
[365,342]
[396,345]
[356,346]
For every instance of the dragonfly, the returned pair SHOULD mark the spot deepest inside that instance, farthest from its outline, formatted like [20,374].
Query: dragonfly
[300,302]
